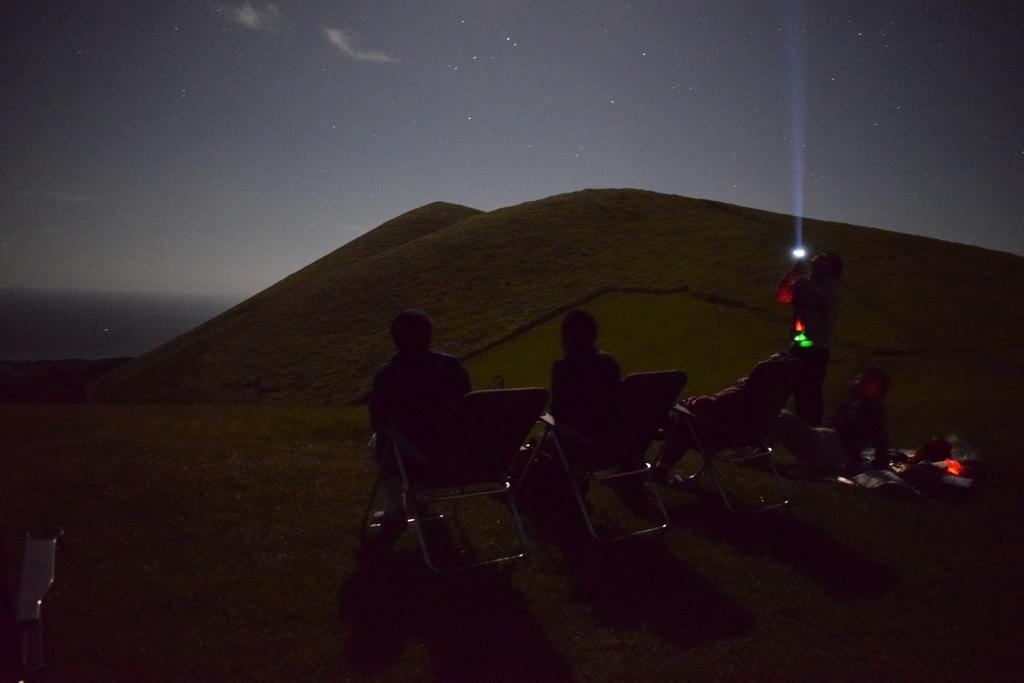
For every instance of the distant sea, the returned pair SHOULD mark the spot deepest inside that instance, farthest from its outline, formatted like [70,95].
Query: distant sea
[49,325]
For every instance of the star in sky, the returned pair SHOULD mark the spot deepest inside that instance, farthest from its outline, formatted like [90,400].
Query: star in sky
[233,123]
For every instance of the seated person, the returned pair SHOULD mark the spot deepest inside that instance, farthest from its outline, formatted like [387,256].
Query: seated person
[736,416]
[414,394]
[583,381]
[857,424]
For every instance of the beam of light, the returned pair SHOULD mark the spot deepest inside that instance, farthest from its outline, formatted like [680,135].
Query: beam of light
[797,63]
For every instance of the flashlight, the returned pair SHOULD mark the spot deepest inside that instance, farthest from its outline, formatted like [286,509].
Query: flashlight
[799,253]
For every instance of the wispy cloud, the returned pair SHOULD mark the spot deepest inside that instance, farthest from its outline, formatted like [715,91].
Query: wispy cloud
[343,41]
[266,19]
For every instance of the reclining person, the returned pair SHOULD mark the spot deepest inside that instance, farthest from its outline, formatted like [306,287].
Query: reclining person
[857,424]
[413,394]
[736,416]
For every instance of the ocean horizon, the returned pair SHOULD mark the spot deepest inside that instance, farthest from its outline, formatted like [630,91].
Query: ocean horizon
[58,325]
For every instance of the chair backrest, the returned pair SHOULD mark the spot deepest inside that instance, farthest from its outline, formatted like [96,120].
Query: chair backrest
[640,407]
[769,386]
[488,429]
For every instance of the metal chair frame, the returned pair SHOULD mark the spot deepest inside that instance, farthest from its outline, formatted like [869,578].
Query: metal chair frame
[417,496]
[602,475]
[551,435]
[732,455]
[37,574]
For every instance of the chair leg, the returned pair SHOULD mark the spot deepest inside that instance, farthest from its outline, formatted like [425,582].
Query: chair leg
[417,523]
[653,488]
[571,476]
[766,452]
[582,503]
[415,512]
[517,484]
[709,464]
[780,482]
[418,518]
[519,522]
[365,525]
[649,485]
[723,491]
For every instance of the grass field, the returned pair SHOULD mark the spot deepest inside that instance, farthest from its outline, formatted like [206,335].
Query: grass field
[219,540]
[222,542]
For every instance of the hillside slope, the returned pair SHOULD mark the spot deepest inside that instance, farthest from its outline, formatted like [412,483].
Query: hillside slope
[319,334]
[251,351]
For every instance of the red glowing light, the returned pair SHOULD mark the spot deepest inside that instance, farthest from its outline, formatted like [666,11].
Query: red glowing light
[799,326]
[954,467]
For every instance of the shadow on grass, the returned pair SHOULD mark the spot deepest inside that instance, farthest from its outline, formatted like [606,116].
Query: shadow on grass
[474,624]
[840,570]
[637,582]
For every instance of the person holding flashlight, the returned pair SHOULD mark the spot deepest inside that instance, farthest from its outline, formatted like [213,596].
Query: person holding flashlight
[812,291]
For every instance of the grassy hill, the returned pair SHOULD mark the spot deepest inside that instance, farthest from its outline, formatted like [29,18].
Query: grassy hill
[319,334]
[289,341]
[222,541]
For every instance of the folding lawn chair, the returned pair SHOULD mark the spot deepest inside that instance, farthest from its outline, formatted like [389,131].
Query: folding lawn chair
[641,406]
[488,431]
[37,572]
[769,386]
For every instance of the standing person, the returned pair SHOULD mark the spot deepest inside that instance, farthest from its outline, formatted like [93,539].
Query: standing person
[813,297]
[413,394]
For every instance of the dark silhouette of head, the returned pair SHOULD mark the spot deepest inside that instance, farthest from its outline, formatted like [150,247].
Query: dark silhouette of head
[579,331]
[827,264]
[411,331]
[871,384]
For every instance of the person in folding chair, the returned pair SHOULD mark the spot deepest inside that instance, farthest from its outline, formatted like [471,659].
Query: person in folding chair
[739,416]
[583,383]
[415,394]
[602,424]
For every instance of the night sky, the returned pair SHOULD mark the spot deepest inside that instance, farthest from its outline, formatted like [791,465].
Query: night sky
[205,147]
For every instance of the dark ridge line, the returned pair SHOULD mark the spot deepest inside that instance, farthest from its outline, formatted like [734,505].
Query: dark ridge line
[565,308]
[378,255]
[741,212]
[711,298]
[708,297]
[718,299]
[373,257]
[897,353]
[925,351]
